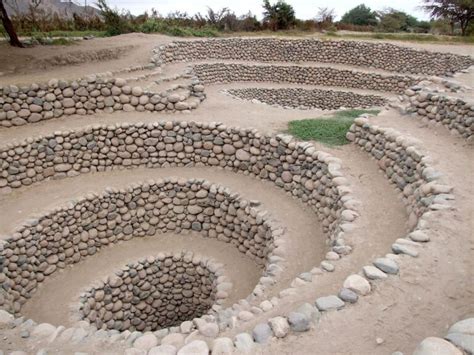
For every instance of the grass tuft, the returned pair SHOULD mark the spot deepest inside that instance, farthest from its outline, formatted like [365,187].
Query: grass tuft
[331,131]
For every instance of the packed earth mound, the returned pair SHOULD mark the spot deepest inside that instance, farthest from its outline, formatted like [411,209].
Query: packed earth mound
[164,206]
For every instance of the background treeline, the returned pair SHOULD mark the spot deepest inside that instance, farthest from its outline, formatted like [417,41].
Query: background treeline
[276,16]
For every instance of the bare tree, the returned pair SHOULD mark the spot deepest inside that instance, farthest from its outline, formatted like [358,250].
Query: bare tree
[9,28]
[326,15]
[455,11]
[215,17]
[33,10]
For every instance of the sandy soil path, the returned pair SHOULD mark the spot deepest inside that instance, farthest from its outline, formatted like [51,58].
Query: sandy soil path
[433,291]
[42,63]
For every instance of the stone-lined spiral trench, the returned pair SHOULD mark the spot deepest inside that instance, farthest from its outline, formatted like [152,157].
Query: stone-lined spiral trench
[164,296]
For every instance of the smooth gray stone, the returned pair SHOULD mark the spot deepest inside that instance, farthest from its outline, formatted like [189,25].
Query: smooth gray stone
[262,333]
[348,295]
[387,265]
[299,322]
[463,341]
[329,303]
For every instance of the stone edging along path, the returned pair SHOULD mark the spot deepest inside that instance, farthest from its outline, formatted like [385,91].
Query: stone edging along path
[300,98]
[384,56]
[457,115]
[410,171]
[461,334]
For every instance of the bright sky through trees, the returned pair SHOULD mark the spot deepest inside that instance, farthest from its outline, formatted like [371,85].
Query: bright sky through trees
[305,9]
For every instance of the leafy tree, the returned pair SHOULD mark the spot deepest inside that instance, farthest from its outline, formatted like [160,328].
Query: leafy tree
[360,15]
[455,11]
[8,26]
[279,16]
[249,22]
[392,20]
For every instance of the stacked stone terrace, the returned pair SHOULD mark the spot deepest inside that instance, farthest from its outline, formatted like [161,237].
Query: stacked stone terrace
[375,55]
[171,303]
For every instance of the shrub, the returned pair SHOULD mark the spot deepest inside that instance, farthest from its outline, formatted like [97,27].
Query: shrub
[115,23]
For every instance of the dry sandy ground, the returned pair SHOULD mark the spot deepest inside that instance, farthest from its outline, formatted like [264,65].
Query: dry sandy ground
[41,63]
[432,291]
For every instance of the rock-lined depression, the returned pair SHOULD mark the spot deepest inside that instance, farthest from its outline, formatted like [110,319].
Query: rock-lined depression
[177,298]
[154,293]
[70,234]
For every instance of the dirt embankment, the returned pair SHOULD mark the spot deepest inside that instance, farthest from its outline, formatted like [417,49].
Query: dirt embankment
[41,63]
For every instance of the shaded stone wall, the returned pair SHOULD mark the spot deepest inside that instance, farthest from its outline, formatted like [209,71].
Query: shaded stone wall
[229,73]
[308,99]
[456,114]
[384,56]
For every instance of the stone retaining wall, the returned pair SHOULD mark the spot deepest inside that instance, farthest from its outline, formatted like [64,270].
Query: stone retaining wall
[300,98]
[310,175]
[229,73]
[69,234]
[454,113]
[376,55]
[57,98]
[154,293]
[405,166]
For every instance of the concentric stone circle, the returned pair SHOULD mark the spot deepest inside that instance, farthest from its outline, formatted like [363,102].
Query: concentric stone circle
[311,176]
[70,234]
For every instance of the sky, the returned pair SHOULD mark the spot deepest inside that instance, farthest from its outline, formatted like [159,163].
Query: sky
[305,9]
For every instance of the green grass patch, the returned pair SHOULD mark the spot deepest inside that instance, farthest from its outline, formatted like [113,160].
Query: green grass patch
[410,37]
[331,131]
[64,34]
[190,32]
[50,41]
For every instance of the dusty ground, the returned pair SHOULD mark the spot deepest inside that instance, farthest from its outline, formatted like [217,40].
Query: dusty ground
[41,63]
[432,291]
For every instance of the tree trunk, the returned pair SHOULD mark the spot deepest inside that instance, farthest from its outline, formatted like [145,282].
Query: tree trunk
[8,25]
[464,25]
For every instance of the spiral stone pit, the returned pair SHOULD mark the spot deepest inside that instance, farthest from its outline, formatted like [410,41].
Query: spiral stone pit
[178,301]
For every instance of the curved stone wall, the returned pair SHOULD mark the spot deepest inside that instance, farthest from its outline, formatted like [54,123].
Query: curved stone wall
[410,170]
[57,98]
[69,234]
[454,113]
[326,76]
[405,166]
[308,99]
[368,54]
[300,169]
[154,293]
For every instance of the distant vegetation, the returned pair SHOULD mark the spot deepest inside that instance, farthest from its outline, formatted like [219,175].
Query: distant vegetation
[331,130]
[448,17]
